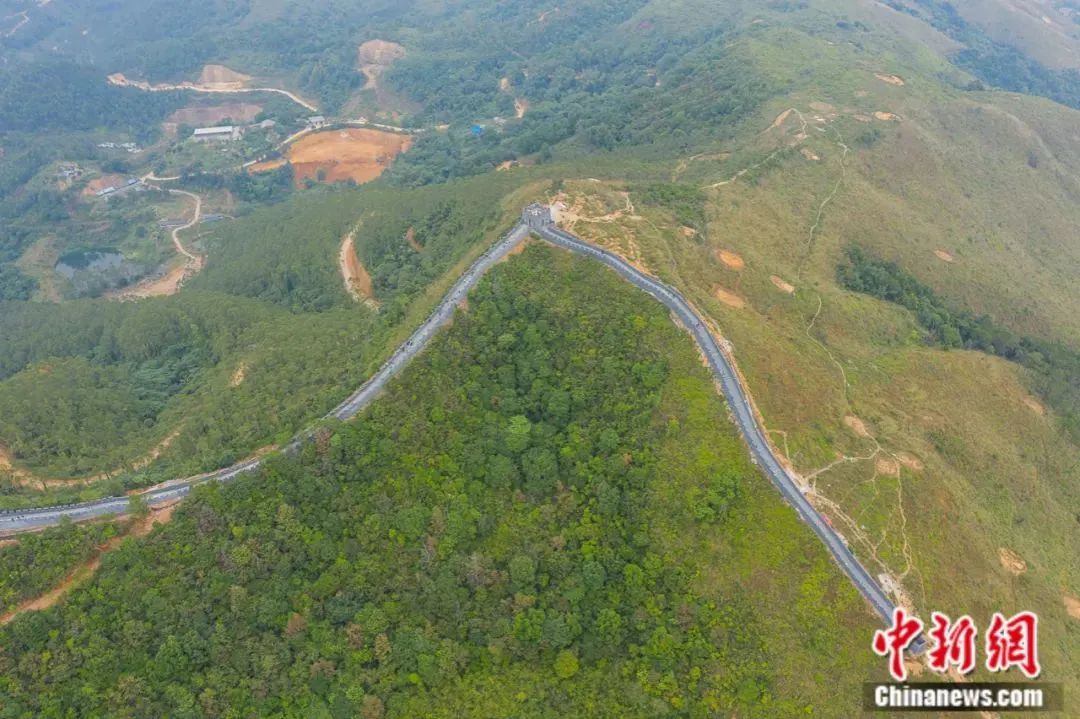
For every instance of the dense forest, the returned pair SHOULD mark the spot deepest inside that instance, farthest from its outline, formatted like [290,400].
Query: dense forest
[709,84]
[92,386]
[15,285]
[64,96]
[80,377]
[529,523]
[1056,367]
[37,562]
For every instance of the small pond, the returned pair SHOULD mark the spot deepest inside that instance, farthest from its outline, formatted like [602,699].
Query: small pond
[91,272]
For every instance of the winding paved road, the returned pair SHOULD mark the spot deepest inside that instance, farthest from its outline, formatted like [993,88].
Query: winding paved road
[745,419]
[753,433]
[13,521]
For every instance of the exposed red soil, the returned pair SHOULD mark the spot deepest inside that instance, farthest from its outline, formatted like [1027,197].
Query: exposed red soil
[359,154]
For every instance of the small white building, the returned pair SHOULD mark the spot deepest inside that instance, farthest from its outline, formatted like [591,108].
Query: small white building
[225,133]
[315,122]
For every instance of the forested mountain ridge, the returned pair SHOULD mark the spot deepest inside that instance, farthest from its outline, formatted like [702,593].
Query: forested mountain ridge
[884,236]
[262,343]
[553,527]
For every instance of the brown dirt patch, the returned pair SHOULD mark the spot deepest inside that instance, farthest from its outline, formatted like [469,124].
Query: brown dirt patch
[521,106]
[886,115]
[781,117]
[915,667]
[821,107]
[888,466]
[862,118]
[688,231]
[504,84]
[910,461]
[809,154]
[731,260]
[781,284]
[357,279]
[1072,605]
[238,375]
[160,514]
[728,297]
[358,154]
[856,425]
[890,79]
[221,77]
[1011,561]
[506,165]
[944,256]
[410,237]
[374,57]
[164,286]
[100,183]
[1035,406]
[238,112]
[380,52]
[267,165]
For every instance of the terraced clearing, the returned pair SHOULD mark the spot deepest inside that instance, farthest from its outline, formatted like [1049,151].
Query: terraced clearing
[203,115]
[357,154]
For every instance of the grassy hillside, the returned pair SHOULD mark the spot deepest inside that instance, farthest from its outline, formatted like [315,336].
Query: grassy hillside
[575,530]
[952,448]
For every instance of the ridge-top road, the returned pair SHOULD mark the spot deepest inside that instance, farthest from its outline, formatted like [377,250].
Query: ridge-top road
[734,392]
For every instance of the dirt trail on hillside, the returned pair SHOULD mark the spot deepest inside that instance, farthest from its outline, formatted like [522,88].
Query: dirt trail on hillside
[120,80]
[357,279]
[17,26]
[170,282]
[162,514]
[24,478]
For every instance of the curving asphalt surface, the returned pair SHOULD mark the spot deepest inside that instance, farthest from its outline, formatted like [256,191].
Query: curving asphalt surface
[22,520]
[753,433]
